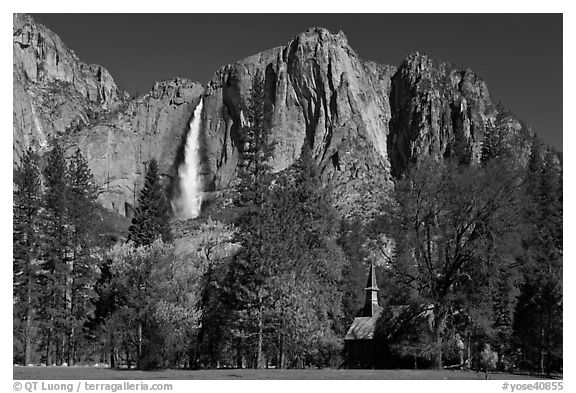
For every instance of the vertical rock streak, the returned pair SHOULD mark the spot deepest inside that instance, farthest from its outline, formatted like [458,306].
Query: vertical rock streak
[189,199]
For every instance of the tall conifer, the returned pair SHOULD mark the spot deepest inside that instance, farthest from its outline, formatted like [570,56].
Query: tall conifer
[26,241]
[84,264]
[151,217]
[248,272]
[56,254]
[540,301]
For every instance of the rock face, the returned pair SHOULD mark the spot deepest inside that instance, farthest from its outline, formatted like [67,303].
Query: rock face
[152,126]
[438,110]
[319,92]
[56,94]
[365,122]
[54,91]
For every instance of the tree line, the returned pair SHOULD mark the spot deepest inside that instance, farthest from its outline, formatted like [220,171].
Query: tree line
[56,258]
[474,252]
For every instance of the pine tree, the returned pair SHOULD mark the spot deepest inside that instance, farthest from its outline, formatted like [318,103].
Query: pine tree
[540,301]
[504,296]
[83,193]
[535,166]
[256,148]
[56,255]
[26,242]
[496,137]
[307,263]
[286,286]
[246,289]
[492,145]
[84,261]
[214,329]
[151,218]
[351,239]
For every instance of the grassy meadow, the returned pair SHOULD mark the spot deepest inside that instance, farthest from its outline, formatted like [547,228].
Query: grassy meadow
[59,373]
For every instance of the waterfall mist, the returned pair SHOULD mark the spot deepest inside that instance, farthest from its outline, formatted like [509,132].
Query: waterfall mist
[188,201]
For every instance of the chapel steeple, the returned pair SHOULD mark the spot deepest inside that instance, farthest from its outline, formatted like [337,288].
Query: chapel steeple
[371,303]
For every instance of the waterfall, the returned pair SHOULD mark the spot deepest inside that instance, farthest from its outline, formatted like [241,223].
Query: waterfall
[189,200]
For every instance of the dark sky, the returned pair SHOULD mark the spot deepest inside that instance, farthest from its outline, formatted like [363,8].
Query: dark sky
[519,56]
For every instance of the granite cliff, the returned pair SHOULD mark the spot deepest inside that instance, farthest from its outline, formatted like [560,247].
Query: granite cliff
[444,111]
[319,92]
[364,121]
[54,92]
[57,95]
[119,145]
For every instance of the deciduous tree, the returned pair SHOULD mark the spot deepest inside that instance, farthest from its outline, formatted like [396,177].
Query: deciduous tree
[447,224]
